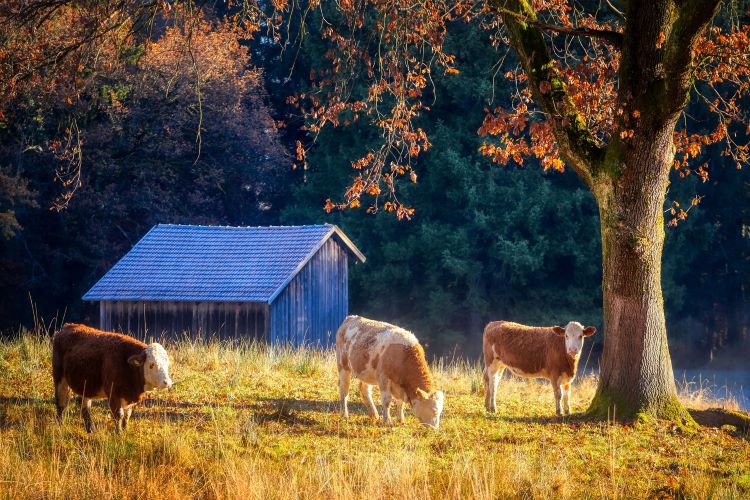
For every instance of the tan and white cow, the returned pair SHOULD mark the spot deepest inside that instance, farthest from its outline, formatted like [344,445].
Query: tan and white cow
[389,356]
[550,352]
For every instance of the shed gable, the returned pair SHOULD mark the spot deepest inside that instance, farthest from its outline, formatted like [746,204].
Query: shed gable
[313,304]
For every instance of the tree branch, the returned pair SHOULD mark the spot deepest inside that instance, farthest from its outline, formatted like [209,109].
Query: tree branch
[692,19]
[578,146]
[613,37]
[617,11]
[656,64]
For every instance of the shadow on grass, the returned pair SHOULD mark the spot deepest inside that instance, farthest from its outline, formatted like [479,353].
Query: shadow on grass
[719,417]
[5,400]
[281,405]
[575,418]
[167,403]
[309,405]
[256,403]
[286,411]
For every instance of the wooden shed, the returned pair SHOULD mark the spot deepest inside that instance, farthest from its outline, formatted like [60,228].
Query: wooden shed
[281,284]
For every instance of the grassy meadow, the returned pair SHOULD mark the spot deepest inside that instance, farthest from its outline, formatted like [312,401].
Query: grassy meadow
[250,421]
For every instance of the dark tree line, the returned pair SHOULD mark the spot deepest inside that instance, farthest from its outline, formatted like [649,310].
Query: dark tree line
[485,242]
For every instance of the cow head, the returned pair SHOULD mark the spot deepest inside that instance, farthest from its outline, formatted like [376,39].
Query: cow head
[155,363]
[428,407]
[574,334]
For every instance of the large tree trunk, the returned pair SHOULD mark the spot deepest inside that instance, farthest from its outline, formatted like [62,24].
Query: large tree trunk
[635,371]
[629,177]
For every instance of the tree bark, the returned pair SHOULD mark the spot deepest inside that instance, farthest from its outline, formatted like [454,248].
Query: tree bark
[636,376]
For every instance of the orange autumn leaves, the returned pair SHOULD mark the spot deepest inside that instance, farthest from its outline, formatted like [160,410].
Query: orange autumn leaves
[395,53]
[395,47]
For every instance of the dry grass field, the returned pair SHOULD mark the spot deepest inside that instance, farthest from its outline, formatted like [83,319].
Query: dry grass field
[250,421]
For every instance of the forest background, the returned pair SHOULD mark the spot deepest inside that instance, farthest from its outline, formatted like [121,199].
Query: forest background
[95,150]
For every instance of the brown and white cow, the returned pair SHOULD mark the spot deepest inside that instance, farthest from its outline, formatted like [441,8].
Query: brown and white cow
[389,356]
[103,365]
[550,352]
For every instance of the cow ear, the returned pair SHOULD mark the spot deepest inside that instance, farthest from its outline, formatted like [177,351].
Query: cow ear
[558,330]
[422,394]
[137,359]
[589,331]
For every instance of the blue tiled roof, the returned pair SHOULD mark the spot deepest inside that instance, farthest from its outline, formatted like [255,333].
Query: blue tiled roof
[213,263]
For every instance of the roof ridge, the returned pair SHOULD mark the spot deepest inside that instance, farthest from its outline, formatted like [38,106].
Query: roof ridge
[215,226]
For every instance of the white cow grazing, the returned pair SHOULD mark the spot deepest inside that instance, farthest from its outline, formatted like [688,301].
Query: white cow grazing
[389,356]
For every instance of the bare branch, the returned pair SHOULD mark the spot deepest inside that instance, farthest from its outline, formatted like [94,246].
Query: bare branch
[617,11]
[693,18]
[613,37]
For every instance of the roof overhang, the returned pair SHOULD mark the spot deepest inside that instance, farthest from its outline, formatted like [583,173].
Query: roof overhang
[333,232]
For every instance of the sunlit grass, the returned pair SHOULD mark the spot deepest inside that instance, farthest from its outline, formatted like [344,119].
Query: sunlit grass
[251,421]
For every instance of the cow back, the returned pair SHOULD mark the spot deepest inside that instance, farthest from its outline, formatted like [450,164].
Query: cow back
[95,363]
[531,350]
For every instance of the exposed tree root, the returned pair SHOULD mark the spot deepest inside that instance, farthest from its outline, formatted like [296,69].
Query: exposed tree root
[717,417]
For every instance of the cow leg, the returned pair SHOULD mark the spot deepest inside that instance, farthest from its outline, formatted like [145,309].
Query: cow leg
[366,391]
[345,378]
[88,424]
[492,375]
[118,413]
[558,395]
[566,398]
[62,397]
[400,411]
[385,400]
[128,412]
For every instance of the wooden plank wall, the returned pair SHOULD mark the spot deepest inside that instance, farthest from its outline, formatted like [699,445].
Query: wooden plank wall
[222,320]
[315,302]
